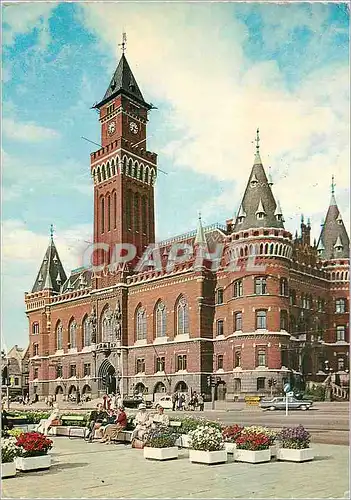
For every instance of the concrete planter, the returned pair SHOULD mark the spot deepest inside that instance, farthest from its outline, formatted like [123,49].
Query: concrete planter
[230,447]
[253,457]
[33,463]
[208,457]
[293,455]
[161,453]
[8,470]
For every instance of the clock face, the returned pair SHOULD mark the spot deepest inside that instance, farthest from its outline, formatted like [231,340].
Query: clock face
[133,127]
[111,128]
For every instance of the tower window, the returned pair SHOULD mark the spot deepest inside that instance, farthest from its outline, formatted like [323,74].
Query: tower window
[260,286]
[35,349]
[340,305]
[108,213]
[220,362]
[284,290]
[35,328]
[220,327]
[261,358]
[102,215]
[340,333]
[238,288]
[219,296]
[284,320]
[238,321]
[261,320]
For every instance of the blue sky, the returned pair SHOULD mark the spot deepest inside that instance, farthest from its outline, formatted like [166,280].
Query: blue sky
[215,73]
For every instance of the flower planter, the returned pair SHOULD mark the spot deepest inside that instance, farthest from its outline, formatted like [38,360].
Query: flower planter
[230,447]
[274,450]
[253,457]
[8,470]
[33,463]
[208,457]
[161,453]
[295,455]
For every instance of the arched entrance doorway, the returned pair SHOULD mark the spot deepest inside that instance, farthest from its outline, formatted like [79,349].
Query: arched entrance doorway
[58,393]
[107,377]
[140,388]
[159,390]
[181,387]
[86,393]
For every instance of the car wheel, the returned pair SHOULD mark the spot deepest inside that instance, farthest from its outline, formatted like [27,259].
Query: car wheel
[303,407]
[272,408]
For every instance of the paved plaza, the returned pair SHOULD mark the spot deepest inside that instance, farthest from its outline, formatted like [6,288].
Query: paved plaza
[82,470]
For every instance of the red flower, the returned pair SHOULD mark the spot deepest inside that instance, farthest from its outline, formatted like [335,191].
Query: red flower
[33,444]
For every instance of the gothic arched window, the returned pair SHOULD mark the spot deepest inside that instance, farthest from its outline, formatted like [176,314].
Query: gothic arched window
[114,210]
[160,320]
[182,317]
[73,334]
[141,323]
[102,215]
[144,214]
[87,331]
[59,337]
[108,213]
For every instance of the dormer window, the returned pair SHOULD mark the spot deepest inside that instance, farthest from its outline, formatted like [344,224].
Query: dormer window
[253,181]
[338,245]
[241,215]
[260,212]
[339,220]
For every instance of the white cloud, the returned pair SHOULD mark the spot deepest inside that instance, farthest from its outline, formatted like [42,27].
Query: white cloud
[27,132]
[218,98]
[22,254]
[20,18]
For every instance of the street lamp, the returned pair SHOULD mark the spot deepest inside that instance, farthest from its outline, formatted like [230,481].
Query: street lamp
[5,376]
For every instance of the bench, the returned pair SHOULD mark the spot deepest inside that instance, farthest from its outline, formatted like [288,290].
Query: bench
[73,430]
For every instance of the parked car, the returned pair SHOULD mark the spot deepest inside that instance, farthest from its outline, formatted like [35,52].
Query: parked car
[134,402]
[280,403]
[165,402]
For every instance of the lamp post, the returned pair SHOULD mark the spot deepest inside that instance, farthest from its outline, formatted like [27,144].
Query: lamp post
[6,378]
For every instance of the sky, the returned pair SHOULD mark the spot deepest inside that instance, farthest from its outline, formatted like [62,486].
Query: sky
[215,72]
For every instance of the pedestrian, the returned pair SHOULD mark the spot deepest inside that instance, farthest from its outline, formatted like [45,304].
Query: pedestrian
[45,424]
[106,401]
[201,402]
[111,431]
[174,400]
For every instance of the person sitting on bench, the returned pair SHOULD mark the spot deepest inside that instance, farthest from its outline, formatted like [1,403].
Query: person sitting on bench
[95,420]
[112,430]
[45,424]
[142,423]
[159,418]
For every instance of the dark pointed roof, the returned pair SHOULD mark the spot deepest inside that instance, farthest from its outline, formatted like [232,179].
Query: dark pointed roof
[79,278]
[258,199]
[123,81]
[51,274]
[334,242]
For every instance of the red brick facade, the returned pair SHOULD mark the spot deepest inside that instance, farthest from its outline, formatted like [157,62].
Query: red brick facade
[272,313]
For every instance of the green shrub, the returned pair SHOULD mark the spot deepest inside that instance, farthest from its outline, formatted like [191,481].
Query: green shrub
[316,393]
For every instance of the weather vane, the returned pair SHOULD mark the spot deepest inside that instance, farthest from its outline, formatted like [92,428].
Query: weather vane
[52,232]
[124,42]
[332,185]
[257,140]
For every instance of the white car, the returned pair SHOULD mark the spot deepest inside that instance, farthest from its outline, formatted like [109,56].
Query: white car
[165,402]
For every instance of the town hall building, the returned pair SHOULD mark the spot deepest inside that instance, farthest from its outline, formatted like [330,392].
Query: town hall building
[270,307]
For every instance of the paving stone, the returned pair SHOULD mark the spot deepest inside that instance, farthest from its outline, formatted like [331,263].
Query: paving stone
[118,471]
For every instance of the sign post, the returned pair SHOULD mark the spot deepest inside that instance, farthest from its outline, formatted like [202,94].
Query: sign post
[286,390]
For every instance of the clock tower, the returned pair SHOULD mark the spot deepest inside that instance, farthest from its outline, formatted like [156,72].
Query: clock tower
[124,172]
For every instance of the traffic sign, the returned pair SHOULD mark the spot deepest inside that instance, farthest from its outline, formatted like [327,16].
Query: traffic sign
[286,387]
